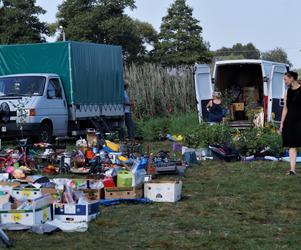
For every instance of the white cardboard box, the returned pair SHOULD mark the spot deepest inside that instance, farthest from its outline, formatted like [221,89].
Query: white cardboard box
[39,213]
[76,212]
[163,191]
[26,193]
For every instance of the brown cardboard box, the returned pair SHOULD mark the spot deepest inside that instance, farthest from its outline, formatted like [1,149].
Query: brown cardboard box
[238,106]
[10,184]
[91,137]
[123,192]
[54,196]
[94,194]
[250,92]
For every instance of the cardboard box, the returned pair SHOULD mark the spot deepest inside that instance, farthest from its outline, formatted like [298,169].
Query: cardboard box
[76,212]
[250,92]
[3,200]
[94,194]
[239,106]
[91,194]
[163,191]
[26,193]
[123,192]
[91,137]
[40,212]
[54,195]
[9,184]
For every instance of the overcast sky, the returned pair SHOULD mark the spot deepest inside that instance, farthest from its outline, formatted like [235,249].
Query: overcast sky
[265,23]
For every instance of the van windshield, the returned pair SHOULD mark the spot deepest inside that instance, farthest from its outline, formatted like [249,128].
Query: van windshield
[22,86]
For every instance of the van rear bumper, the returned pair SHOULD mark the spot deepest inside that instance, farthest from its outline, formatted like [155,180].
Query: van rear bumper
[11,129]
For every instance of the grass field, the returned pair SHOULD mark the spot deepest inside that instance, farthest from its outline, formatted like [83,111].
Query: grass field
[224,206]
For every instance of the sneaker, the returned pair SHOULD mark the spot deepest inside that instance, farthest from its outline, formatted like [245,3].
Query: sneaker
[291,172]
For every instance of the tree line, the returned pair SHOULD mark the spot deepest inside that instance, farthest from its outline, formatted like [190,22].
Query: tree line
[178,42]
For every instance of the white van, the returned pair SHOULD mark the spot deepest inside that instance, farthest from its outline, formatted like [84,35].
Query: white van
[263,77]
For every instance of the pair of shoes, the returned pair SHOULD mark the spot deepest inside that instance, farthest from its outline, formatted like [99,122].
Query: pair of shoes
[291,172]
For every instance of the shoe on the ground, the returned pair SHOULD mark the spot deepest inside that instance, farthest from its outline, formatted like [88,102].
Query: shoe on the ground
[291,172]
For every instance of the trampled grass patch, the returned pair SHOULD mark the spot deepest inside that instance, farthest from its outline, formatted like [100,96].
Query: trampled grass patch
[224,206]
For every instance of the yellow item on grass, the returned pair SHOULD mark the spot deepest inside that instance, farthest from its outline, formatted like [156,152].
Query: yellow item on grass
[122,158]
[178,137]
[112,145]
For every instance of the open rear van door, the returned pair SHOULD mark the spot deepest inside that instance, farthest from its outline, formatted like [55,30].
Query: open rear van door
[203,88]
[276,95]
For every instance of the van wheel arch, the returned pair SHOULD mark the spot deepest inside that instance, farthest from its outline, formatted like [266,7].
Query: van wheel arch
[46,131]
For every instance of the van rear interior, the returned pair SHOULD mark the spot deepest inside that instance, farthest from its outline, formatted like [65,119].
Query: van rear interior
[244,83]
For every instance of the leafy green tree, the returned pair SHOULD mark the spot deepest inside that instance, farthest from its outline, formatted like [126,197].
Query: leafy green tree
[276,55]
[248,51]
[104,21]
[179,40]
[19,22]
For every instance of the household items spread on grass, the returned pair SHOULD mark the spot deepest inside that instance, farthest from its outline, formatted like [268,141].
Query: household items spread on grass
[110,173]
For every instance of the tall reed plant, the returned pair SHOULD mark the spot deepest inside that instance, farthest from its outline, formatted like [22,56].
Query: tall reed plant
[159,91]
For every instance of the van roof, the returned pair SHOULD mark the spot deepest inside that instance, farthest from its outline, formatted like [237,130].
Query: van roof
[248,61]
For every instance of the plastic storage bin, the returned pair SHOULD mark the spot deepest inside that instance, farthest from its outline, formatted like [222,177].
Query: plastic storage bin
[124,179]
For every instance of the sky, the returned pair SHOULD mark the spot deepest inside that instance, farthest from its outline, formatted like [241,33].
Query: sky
[265,23]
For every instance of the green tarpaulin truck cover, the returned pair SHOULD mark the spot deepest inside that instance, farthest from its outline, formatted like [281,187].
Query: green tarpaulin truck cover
[91,73]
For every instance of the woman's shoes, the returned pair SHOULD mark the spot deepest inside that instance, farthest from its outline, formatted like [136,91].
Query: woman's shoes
[291,172]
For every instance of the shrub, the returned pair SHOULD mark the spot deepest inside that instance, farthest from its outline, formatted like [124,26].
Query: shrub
[205,134]
[252,141]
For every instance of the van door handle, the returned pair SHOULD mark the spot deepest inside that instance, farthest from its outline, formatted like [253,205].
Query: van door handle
[281,102]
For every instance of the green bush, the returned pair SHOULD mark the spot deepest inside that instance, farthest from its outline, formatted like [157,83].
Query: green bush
[205,134]
[252,141]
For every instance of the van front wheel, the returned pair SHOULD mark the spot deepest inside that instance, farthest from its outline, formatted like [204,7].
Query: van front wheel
[45,133]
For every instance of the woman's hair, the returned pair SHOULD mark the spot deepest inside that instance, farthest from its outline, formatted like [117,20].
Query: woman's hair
[292,74]
[217,94]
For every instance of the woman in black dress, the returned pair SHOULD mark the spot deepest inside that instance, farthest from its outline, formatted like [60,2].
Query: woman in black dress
[214,108]
[290,125]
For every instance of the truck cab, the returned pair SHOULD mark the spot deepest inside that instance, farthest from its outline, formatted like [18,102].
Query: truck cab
[263,80]
[34,104]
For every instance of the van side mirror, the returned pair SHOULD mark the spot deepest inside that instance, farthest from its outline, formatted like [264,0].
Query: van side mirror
[50,94]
